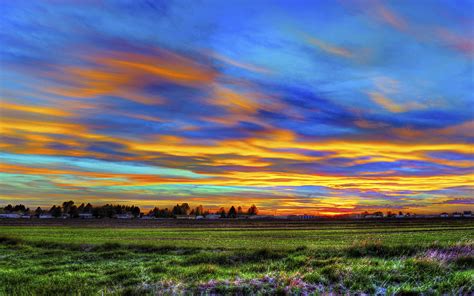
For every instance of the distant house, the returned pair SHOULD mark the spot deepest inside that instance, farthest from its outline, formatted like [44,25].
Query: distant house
[256,217]
[86,216]
[378,215]
[45,216]
[400,216]
[444,215]
[457,215]
[289,217]
[10,216]
[467,214]
[185,217]
[146,217]
[26,216]
[199,217]
[213,216]
[123,216]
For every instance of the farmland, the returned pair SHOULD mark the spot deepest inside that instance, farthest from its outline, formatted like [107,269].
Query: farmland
[240,257]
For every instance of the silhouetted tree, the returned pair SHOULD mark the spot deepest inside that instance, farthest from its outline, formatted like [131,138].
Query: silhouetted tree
[88,208]
[160,213]
[38,211]
[73,212]
[55,211]
[222,212]
[185,209]
[176,210]
[182,209]
[67,206]
[135,211]
[199,210]
[253,210]
[19,208]
[232,213]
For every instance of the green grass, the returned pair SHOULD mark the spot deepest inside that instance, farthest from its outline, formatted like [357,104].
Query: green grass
[403,259]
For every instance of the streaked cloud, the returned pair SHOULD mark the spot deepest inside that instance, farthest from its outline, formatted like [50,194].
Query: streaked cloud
[369,109]
[329,48]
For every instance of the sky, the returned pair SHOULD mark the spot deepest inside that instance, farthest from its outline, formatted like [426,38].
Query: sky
[317,107]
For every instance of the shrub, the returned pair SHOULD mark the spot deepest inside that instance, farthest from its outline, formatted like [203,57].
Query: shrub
[465,262]
[10,241]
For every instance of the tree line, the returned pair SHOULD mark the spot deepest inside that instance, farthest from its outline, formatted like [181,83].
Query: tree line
[70,209]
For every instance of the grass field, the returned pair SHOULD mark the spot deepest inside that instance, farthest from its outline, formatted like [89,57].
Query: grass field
[95,258]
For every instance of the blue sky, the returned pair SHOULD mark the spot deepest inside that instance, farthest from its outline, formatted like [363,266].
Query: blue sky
[366,103]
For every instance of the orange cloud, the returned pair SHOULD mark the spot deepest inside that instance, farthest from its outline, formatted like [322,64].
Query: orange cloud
[4,105]
[329,48]
[460,43]
[235,101]
[391,106]
[124,74]
[239,64]
[390,17]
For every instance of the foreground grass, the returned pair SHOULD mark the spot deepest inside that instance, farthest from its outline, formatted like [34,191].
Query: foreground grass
[68,261]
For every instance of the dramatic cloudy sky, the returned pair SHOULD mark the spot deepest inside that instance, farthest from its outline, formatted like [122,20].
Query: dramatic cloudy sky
[300,106]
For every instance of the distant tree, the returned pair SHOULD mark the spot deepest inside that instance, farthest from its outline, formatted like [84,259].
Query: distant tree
[38,211]
[222,213]
[199,210]
[88,208]
[185,209]
[153,212]
[102,212]
[378,214]
[160,213]
[67,205]
[19,208]
[253,210]
[232,212]
[8,208]
[166,213]
[240,211]
[55,211]
[400,213]
[135,211]
[73,212]
[176,210]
